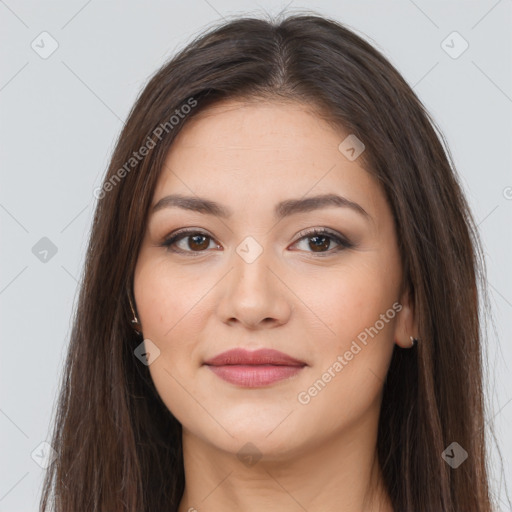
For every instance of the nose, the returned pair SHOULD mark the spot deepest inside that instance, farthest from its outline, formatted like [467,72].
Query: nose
[254,294]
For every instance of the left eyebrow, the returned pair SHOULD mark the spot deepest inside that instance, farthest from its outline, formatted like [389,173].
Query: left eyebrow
[293,206]
[282,209]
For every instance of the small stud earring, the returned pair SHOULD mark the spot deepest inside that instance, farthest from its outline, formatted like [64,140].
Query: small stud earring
[135,321]
[413,341]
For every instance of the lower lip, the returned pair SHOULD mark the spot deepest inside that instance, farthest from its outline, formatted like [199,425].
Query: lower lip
[254,376]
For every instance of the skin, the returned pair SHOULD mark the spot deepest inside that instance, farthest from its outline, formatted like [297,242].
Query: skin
[315,456]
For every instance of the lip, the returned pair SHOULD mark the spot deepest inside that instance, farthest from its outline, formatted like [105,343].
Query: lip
[240,356]
[256,368]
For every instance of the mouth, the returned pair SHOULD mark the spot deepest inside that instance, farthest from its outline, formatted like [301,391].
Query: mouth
[252,369]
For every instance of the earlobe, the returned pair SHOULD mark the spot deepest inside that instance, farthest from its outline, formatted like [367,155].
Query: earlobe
[406,331]
[135,321]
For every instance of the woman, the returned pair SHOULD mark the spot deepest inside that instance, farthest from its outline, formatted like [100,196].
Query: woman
[279,309]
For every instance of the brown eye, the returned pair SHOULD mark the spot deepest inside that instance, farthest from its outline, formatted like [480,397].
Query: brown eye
[320,241]
[196,242]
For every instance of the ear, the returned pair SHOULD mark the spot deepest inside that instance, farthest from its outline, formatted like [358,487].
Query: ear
[406,324]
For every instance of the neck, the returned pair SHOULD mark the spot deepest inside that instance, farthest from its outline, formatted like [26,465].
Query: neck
[340,475]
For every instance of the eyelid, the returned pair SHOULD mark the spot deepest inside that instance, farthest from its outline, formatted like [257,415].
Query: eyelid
[183,233]
[322,231]
[342,241]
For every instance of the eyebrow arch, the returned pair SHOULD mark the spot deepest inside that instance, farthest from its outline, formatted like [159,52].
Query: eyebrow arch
[282,209]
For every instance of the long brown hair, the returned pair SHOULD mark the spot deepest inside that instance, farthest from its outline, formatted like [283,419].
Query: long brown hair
[118,446]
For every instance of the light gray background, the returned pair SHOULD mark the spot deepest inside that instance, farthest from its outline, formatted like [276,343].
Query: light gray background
[60,117]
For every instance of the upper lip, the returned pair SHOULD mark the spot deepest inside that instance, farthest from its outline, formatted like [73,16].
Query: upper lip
[240,356]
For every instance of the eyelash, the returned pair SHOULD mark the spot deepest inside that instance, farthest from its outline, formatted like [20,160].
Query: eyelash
[342,241]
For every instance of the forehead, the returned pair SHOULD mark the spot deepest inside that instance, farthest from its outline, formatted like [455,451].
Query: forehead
[265,126]
[247,152]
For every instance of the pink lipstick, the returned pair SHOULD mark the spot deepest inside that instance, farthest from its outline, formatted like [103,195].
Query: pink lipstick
[254,369]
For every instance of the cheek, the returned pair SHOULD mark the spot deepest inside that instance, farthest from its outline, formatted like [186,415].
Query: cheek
[351,363]
[169,307]
[166,298]
[349,300]
[358,304]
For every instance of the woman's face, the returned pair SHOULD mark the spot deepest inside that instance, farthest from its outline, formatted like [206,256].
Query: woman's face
[251,275]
